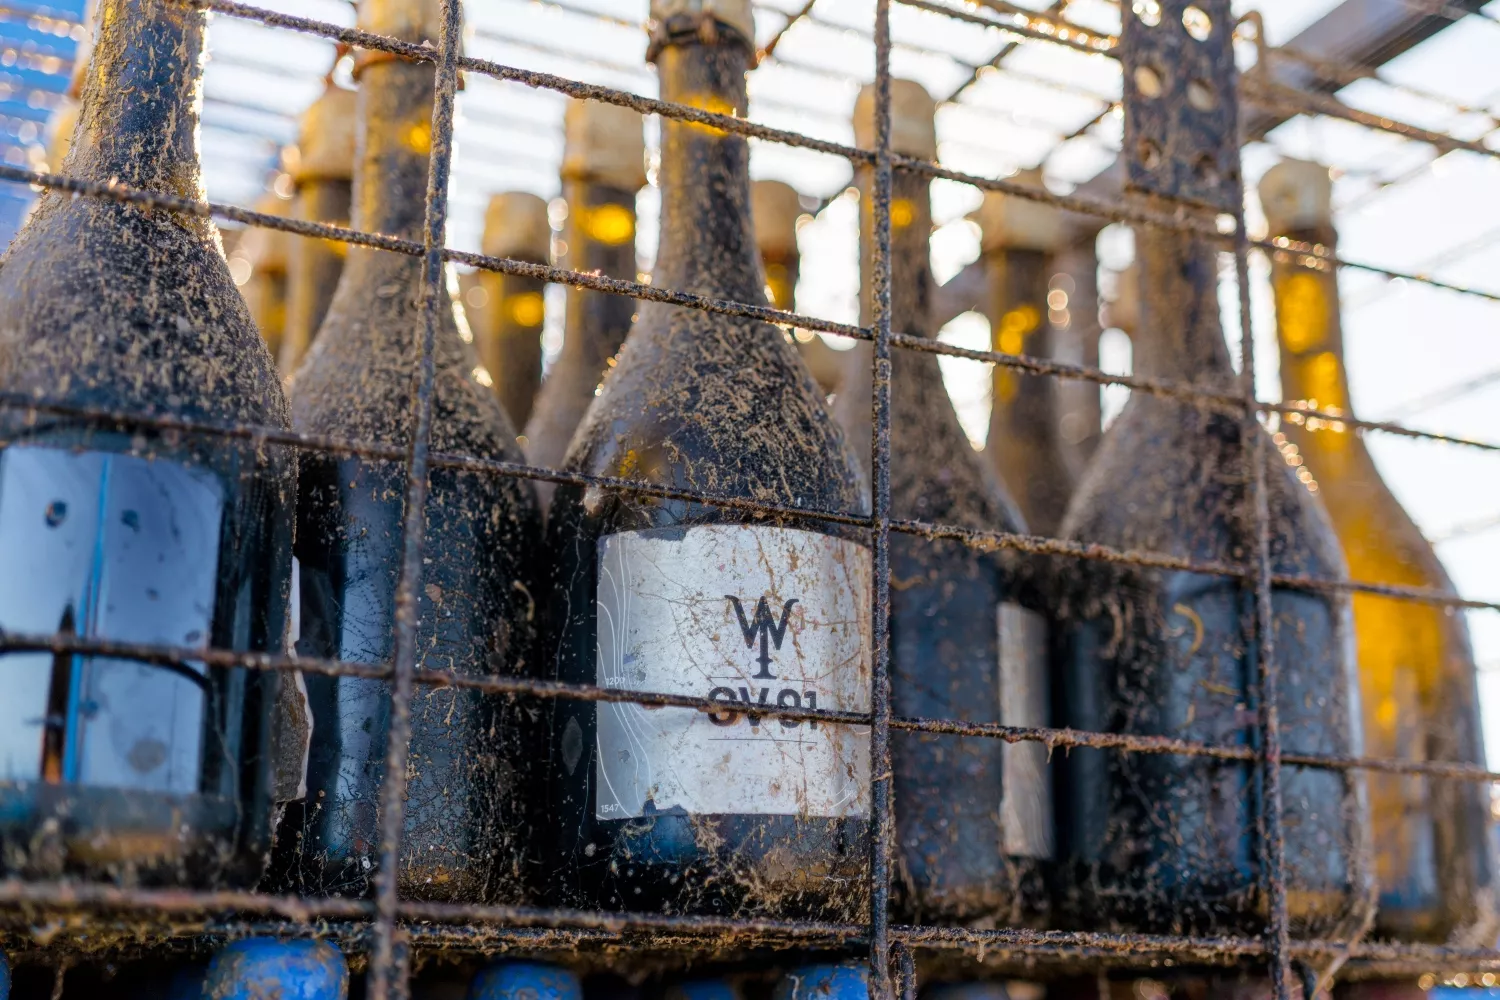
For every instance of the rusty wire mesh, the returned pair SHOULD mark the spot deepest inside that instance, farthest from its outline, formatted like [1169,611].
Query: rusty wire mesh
[389,927]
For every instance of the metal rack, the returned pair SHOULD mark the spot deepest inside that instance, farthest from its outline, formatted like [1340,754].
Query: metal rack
[389,927]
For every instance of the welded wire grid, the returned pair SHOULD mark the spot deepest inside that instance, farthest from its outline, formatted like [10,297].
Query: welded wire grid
[390,926]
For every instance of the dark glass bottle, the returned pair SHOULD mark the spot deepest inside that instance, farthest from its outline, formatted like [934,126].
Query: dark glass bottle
[973,816]
[462,822]
[1168,843]
[1434,856]
[775,208]
[671,809]
[113,768]
[603,167]
[507,326]
[1020,240]
[323,171]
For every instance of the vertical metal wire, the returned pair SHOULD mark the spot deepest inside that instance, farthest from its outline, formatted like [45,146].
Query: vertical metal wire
[1273,846]
[880,464]
[388,969]
[906,971]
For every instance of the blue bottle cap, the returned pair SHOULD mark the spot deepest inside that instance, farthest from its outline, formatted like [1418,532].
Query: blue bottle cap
[525,981]
[703,989]
[4,977]
[290,970]
[844,981]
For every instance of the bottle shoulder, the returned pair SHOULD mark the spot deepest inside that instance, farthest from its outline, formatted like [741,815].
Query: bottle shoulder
[112,306]
[719,404]
[1172,478]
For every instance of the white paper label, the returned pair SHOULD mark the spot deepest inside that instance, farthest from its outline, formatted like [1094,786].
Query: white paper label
[1026,804]
[748,615]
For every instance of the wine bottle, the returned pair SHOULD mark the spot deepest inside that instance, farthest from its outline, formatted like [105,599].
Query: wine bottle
[115,768]
[968,640]
[775,208]
[1167,842]
[603,167]
[462,829]
[267,252]
[671,809]
[512,980]
[508,326]
[264,967]
[323,172]
[1434,859]
[844,981]
[1021,239]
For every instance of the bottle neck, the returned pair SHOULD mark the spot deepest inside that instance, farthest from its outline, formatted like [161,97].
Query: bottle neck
[911,269]
[600,236]
[1308,330]
[139,120]
[782,272]
[1180,334]
[395,142]
[707,245]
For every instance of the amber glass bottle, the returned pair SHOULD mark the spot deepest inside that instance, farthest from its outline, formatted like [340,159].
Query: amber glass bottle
[672,809]
[323,172]
[1434,857]
[1163,842]
[507,325]
[463,827]
[775,208]
[267,251]
[1021,239]
[604,165]
[973,816]
[109,767]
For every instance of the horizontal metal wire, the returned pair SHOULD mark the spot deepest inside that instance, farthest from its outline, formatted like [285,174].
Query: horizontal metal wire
[1053,738]
[1223,399]
[310,915]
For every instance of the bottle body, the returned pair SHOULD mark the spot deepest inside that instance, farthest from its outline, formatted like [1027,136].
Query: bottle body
[1435,864]
[1163,842]
[463,819]
[114,768]
[600,235]
[968,641]
[723,604]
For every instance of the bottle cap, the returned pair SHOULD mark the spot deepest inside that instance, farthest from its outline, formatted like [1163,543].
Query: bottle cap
[1009,222]
[846,981]
[735,13]
[267,249]
[703,989]
[525,981]
[407,20]
[912,130]
[325,138]
[4,977]
[774,209]
[264,967]
[1296,194]
[967,991]
[516,225]
[603,142]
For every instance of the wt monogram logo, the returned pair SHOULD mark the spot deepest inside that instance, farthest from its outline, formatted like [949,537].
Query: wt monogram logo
[770,632]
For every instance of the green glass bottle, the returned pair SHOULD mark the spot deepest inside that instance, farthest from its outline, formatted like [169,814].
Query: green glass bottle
[1166,843]
[507,325]
[775,208]
[968,637]
[1434,855]
[323,173]
[604,166]
[112,768]
[464,830]
[1021,240]
[671,809]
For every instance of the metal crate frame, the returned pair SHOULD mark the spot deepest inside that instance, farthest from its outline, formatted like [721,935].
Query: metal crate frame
[389,926]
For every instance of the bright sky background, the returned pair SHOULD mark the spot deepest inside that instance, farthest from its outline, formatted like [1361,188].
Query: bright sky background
[1409,345]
